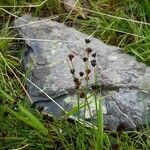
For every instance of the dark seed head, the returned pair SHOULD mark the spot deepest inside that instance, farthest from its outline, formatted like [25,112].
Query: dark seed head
[81,74]
[89,50]
[94,55]
[77,81]
[93,62]
[82,95]
[87,41]
[85,59]
[72,71]
[95,87]
[88,71]
[71,56]
[77,87]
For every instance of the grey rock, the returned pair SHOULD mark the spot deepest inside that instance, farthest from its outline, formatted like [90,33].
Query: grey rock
[69,4]
[125,82]
[79,8]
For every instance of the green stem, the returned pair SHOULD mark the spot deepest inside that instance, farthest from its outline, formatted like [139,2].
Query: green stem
[87,84]
[78,99]
[99,112]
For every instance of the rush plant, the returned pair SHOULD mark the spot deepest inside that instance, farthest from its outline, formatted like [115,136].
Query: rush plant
[81,80]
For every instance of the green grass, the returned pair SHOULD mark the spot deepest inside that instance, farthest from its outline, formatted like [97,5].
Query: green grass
[24,127]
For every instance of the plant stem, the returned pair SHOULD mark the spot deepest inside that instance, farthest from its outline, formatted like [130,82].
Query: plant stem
[99,112]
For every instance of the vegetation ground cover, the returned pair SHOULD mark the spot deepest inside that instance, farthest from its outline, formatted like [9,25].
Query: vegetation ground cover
[121,23]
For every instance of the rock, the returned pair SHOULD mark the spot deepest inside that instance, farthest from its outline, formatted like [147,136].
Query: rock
[69,4]
[73,6]
[125,82]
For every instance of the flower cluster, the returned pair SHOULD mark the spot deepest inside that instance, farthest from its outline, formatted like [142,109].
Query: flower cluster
[83,74]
